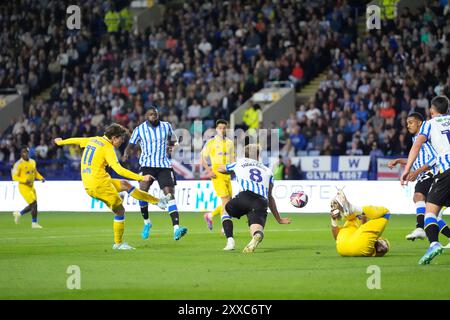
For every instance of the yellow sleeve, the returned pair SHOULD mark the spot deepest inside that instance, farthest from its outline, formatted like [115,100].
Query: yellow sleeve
[232,152]
[207,149]
[79,141]
[39,176]
[15,173]
[113,162]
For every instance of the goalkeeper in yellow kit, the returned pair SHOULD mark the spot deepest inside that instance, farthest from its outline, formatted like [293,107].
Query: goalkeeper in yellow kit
[25,172]
[361,234]
[220,151]
[99,153]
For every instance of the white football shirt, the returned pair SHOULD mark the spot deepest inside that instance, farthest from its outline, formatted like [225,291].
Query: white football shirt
[252,175]
[437,132]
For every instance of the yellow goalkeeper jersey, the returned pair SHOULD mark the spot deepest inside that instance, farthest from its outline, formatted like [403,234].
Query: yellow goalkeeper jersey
[98,153]
[24,171]
[220,151]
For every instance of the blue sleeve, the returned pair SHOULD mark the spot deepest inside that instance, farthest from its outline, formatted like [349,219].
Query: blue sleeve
[230,167]
[425,130]
[433,158]
[135,138]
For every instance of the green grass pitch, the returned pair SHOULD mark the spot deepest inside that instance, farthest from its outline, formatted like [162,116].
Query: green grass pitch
[296,261]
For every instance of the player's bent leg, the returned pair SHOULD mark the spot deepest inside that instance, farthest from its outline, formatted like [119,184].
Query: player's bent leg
[256,230]
[136,193]
[178,231]
[444,229]
[119,228]
[227,224]
[34,214]
[432,231]
[419,232]
[257,221]
[374,212]
[18,214]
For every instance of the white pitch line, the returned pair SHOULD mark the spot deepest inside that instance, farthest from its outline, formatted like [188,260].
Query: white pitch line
[159,232]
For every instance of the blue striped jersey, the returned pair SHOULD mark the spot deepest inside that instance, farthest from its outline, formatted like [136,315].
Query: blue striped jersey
[427,155]
[437,133]
[153,142]
[252,175]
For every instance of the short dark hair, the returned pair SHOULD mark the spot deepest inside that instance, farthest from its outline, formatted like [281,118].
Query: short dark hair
[115,130]
[221,121]
[416,115]
[22,148]
[440,103]
[153,106]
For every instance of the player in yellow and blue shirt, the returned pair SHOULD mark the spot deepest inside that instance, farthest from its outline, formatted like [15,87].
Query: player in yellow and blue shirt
[25,172]
[99,153]
[220,151]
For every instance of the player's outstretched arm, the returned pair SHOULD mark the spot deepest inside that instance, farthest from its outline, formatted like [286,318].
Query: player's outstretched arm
[113,162]
[274,210]
[79,141]
[412,176]
[394,162]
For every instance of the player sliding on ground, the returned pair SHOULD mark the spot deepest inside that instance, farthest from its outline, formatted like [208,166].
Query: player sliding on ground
[98,153]
[358,237]
[255,182]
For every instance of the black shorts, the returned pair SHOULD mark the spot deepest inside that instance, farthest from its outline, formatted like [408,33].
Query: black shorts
[164,176]
[250,204]
[423,185]
[440,189]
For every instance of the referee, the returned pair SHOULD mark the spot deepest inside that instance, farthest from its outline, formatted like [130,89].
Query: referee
[154,139]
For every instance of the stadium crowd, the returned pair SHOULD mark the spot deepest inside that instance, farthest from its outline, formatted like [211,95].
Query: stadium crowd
[207,58]
[371,87]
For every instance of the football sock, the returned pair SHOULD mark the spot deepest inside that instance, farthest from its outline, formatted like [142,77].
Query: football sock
[431,227]
[147,221]
[227,226]
[173,212]
[374,212]
[216,211]
[144,209]
[443,227]
[119,227]
[259,232]
[34,212]
[420,214]
[25,210]
[142,195]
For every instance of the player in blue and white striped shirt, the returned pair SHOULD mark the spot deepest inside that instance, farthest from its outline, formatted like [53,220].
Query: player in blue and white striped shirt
[155,140]
[424,169]
[437,132]
[255,197]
